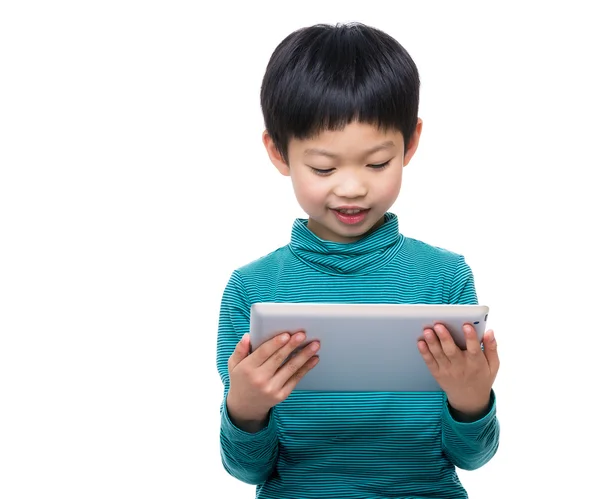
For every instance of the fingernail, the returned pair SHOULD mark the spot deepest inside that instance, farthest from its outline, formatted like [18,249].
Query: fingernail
[315,346]
[492,337]
[285,337]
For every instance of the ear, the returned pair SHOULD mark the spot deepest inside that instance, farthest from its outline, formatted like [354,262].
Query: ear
[275,155]
[413,144]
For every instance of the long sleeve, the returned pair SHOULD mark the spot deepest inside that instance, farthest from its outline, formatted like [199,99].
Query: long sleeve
[249,457]
[469,445]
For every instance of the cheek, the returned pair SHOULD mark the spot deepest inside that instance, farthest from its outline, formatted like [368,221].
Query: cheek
[309,189]
[391,187]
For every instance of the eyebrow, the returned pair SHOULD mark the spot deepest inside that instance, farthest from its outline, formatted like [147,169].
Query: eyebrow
[322,152]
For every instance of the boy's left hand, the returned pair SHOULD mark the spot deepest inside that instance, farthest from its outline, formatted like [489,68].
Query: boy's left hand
[467,375]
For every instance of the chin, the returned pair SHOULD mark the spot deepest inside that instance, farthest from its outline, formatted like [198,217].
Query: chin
[328,227]
[352,233]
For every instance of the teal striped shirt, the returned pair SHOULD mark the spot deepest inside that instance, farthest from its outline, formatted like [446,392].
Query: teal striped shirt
[352,445]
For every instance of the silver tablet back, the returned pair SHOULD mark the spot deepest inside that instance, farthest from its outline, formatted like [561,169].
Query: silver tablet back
[365,347]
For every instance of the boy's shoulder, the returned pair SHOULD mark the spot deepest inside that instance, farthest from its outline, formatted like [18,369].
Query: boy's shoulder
[266,263]
[423,251]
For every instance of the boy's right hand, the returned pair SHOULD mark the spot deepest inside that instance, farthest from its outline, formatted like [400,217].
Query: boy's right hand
[259,381]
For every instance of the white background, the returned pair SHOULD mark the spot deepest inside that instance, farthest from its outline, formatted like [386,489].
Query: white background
[133,181]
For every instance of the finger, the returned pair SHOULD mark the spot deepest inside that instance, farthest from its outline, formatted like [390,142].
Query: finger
[295,364]
[490,350]
[435,347]
[278,357]
[473,344]
[241,351]
[267,349]
[427,357]
[448,345]
[291,383]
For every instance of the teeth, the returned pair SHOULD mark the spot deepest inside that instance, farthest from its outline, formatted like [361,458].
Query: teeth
[350,212]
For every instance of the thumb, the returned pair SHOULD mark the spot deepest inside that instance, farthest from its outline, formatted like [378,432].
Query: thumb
[490,349]
[242,349]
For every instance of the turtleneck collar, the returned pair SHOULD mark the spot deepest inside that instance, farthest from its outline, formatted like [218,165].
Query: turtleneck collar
[361,257]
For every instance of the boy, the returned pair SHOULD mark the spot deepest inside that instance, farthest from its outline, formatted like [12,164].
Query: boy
[340,105]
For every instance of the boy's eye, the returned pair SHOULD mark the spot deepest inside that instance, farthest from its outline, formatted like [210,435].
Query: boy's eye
[322,172]
[380,166]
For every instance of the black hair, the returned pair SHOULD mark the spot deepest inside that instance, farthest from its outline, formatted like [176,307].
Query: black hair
[324,77]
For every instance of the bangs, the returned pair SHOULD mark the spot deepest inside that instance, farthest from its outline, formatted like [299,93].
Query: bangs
[314,106]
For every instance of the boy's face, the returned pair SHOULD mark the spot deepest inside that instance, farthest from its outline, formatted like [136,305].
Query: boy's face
[346,180]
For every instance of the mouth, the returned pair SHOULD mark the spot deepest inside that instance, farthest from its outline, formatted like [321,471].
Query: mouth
[350,215]
[351,210]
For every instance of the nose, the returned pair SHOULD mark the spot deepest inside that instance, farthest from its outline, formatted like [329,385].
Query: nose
[350,186]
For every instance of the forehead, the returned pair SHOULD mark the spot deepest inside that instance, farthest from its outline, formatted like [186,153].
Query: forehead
[355,139]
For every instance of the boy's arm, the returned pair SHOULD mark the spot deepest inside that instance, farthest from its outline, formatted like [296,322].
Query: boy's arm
[469,445]
[249,457]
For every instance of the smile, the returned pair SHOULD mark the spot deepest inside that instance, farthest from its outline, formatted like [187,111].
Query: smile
[351,216]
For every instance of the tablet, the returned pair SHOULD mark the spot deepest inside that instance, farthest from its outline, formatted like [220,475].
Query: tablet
[366,347]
